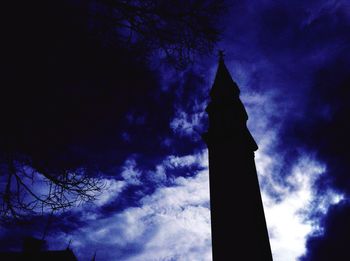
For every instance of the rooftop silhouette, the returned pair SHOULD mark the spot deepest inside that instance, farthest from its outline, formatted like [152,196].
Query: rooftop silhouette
[35,249]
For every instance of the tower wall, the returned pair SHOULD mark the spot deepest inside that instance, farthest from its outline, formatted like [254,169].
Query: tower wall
[239,229]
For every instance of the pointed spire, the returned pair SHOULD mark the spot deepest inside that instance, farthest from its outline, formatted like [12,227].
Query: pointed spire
[224,86]
[226,104]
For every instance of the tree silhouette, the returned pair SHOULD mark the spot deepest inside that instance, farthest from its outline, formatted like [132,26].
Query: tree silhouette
[70,78]
[26,191]
[178,29]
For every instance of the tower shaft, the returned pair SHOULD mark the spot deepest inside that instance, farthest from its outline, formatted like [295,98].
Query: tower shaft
[239,229]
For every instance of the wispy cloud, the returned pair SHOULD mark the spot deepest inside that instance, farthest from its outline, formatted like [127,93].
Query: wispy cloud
[288,218]
[173,223]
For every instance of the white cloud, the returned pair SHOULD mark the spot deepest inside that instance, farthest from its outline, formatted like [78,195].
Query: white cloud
[182,221]
[130,173]
[288,227]
[158,176]
[112,189]
[171,224]
[185,124]
[183,161]
[287,218]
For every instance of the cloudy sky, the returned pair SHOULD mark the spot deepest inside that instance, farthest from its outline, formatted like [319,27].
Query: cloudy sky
[291,62]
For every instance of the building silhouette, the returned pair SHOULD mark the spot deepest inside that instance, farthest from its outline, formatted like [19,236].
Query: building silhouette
[35,250]
[239,229]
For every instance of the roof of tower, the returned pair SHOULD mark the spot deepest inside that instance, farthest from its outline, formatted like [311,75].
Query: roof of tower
[224,86]
[225,103]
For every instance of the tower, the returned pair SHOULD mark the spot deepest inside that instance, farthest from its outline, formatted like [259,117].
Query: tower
[239,229]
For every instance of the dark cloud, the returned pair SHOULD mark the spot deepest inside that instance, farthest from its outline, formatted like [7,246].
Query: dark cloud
[324,127]
[325,130]
[333,242]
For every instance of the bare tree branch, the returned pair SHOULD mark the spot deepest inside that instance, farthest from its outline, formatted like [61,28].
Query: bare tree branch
[29,192]
[179,29]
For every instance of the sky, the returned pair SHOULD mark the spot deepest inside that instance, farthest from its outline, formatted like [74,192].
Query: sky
[291,62]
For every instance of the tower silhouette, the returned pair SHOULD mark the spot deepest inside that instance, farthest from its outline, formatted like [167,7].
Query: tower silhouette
[239,229]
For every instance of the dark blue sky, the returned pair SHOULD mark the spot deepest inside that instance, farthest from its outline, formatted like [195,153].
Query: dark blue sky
[291,60]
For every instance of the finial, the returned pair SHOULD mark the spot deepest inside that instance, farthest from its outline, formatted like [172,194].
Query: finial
[221,55]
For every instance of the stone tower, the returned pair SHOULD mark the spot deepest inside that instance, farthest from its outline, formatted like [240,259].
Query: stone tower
[239,229]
